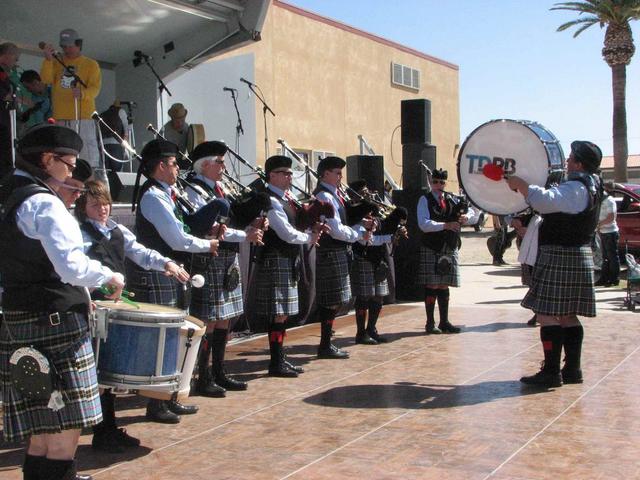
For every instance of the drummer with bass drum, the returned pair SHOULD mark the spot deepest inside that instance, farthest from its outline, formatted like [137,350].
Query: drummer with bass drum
[219,302]
[440,215]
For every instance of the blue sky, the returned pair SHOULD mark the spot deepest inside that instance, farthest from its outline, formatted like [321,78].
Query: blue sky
[513,63]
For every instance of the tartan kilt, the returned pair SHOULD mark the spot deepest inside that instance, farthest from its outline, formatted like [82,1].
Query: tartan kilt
[562,282]
[525,274]
[333,285]
[214,302]
[427,274]
[68,348]
[151,286]
[363,283]
[276,288]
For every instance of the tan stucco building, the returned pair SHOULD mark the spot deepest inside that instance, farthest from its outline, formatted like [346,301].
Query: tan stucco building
[329,82]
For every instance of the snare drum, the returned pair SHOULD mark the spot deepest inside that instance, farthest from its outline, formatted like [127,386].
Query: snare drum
[191,334]
[521,148]
[195,136]
[138,349]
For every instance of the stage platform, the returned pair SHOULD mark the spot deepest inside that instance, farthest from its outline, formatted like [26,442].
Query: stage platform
[419,407]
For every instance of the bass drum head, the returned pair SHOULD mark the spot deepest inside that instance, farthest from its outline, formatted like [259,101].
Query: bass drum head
[195,136]
[513,145]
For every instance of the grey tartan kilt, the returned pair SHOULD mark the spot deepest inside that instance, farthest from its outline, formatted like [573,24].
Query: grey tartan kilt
[333,285]
[213,301]
[363,283]
[151,286]
[276,287]
[427,274]
[525,274]
[562,282]
[68,347]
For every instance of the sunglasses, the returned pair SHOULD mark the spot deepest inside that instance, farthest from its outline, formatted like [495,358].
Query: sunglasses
[442,182]
[287,173]
[70,166]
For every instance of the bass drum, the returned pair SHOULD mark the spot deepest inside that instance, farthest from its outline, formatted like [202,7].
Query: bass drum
[195,136]
[520,147]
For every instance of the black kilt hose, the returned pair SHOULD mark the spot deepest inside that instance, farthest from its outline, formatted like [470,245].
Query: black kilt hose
[276,285]
[333,285]
[427,274]
[68,348]
[562,282]
[363,282]
[213,301]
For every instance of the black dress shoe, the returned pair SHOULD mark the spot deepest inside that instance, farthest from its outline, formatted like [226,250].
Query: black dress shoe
[82,477]
[158,411]
[332,352]
[543,379]
[293,367]
[180,409]
[209,388]
[282,370]
[365,339]
[432,330]
[231,384]
[448,328]
[377,337]
[571,376]
[533,321]
[106,440]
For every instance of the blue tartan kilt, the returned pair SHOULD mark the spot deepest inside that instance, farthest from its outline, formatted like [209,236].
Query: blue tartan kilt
[363,283]
[276,287]
[151,286]
[562,282]
[333,286]
[68,348]
[214,302]
[427,274]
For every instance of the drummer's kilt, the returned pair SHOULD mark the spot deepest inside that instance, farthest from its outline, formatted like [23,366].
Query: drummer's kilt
[68,348]
[213,301]
[333,286]
[427,274]
[562,282]
[363,283]
[151,286]
[276,287]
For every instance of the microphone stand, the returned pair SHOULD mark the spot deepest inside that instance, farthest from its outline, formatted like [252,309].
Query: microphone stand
[239,131]
[428,172]
[162,87]
[265,109]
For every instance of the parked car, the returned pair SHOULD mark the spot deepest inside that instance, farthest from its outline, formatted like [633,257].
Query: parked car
[627,197]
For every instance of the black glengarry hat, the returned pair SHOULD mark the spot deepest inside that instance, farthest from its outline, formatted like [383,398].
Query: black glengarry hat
[208,149]
[440,174]
[327,163]
[83,170]
[50,138]
[588,154]
[276,161]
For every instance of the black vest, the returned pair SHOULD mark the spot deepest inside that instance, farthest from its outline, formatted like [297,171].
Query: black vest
[27,275]
[326,240]
[148,235]
[436,240]
[272,242]
[230,246]
[108,251]
[572,230]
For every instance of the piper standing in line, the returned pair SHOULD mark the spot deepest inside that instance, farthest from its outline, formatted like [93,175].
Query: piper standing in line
[562,282]
[333,258]
[44,274]
[278,264]
[160,226]
[220,300]
[439,267]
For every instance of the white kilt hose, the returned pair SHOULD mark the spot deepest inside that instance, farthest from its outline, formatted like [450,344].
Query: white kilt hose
[363,283]
[562,282]
[214,301]
[68,348]
[427,274]
[151,286]
[276,286]
[333,286]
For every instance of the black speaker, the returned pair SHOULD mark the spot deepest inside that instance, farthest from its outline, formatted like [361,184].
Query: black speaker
[369,168]
[414,175]
[121,186]
[416,121]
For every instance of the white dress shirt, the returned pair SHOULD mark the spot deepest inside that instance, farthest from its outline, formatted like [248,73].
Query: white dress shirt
[279,222]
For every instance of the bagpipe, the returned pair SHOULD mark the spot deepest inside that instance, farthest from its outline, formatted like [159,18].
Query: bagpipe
[308,211]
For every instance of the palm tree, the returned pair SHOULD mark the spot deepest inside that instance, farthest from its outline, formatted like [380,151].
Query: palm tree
[617,52]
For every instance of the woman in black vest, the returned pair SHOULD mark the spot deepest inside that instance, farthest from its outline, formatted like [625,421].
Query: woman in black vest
[562,282]
[44,273]
[440,219]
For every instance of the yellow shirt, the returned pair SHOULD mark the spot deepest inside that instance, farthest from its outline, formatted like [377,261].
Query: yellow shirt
[61,86]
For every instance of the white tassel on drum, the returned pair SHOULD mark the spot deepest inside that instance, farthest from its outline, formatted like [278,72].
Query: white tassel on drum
[197,281]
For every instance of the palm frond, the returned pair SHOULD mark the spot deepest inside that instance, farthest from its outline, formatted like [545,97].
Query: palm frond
[584,23]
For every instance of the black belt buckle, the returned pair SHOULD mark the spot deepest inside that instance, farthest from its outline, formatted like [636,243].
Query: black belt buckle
[54,319]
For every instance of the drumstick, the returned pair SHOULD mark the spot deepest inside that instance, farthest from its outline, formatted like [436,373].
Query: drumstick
[107,291]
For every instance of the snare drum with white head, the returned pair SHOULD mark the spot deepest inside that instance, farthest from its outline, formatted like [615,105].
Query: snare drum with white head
[519,147]
[138,348]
